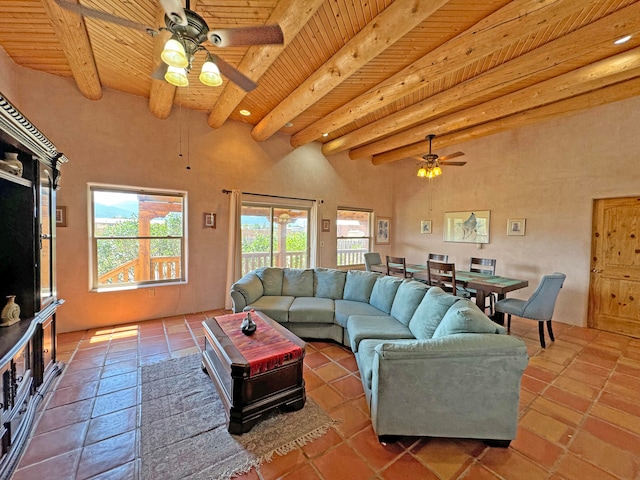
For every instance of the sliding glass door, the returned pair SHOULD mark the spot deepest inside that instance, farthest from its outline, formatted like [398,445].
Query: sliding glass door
[274,236]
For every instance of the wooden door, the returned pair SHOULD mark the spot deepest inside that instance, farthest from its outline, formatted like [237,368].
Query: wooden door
[614,287]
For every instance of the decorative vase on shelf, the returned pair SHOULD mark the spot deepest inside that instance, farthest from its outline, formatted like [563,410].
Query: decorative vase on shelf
[10,312]
[12,164]
[248,326]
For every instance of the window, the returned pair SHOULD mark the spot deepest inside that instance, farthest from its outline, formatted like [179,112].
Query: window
[275,235]
[137,237]
[354,236]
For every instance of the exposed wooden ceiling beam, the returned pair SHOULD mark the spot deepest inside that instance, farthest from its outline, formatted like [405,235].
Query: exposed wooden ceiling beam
[516,20]
[162,93]
[74,40]
[390,25]
[616,69]
[563,108]
[292,16]
[551,59]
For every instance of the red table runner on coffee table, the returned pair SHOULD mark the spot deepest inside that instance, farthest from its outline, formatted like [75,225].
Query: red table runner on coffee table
[265,350]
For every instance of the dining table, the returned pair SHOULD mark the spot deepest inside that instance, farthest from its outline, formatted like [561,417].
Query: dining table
[484,284]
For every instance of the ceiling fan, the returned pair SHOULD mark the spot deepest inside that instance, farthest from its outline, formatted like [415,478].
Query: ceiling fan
[430,163]
[189,31]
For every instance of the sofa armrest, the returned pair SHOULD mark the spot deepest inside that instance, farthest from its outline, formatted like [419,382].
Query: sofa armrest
[246,291]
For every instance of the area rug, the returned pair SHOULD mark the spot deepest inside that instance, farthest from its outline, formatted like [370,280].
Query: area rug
[184,432]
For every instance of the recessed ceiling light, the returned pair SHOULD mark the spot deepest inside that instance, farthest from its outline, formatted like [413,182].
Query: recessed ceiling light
[325,134]
[245,113]
[288,124]
[622,40]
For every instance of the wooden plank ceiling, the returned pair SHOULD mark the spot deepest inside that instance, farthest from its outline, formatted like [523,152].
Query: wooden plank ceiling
[371,77]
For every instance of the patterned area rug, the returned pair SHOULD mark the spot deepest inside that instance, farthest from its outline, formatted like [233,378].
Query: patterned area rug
[184,433]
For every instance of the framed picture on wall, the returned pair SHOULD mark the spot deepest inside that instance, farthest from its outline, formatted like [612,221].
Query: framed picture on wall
[209,220]
[425,226]
[383,230]
[515,226]
[61,216]
[467,227]
[326,225]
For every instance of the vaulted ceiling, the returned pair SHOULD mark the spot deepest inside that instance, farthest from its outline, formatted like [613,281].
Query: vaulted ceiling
[371,77]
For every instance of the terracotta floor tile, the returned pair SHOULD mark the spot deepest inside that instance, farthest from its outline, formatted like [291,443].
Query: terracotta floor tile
[349,387]
[608,457]
[333,464]
[280,464]
[119,368]
[376,454]
[540,450]
[572,467]
[105,455]
[123,472]
[115,401]
[624,386]
[315,360]
[74,393]
[627,405]
[322,444]
[446,457]
[110,425]
[63,465]
[82,376]
[312,380]
[326,397]
[64,415]
[547,427]
[118,382]
[336,352]
[533,384]
[568,399]
[622,419]
[57,442]
[349,363]
[539,373]
[577,387]
[407,467]
[180,344]
[509,463]
[554,410]
[305,472]
[350,419]
[622,439]
[479,472]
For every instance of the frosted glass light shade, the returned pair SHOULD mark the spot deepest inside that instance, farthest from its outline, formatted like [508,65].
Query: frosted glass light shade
[437,171]
[176,76]
[210,74]
[174,54]
[422,172]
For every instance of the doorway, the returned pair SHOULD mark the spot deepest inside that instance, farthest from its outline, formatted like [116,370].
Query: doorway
[614,286]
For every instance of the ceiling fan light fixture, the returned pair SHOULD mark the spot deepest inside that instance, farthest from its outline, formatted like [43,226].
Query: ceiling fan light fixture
[210,73]
[422,172]
[437,171]
[174,53]
[176,76]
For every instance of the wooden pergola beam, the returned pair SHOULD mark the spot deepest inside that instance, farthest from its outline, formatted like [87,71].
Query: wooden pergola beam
[516,20]
[391,24]
[72,35]
[613,70]
[292,16]
[553,58]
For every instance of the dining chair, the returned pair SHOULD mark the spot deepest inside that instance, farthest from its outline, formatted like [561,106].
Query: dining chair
[443,275]
[538,307]
[371,258]
[438,257]
[397,266]
[487,266]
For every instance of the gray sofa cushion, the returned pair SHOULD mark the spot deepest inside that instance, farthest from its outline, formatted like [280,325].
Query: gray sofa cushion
[384,291]
[359,285]
[410,294]
[271,279]
[465,317]
[346,308]
[429,314]
[311,310]
[250,286]
[277,307]
[362,327]
[297,282]
[329,283]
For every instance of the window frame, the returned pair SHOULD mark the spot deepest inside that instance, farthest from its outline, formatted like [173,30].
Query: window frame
[369,237]
[93,239]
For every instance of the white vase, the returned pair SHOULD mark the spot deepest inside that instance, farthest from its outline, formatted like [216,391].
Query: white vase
[12,164]
[11,312]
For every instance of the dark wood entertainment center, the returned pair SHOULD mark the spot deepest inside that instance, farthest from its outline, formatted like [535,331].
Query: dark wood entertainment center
[28,362]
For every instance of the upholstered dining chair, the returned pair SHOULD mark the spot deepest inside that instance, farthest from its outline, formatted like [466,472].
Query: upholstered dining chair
[397,266]
[371,258]
[438,257]
[443,275]
[487,266]
[538,307]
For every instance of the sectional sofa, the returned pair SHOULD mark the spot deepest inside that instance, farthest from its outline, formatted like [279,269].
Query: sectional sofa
[431,363]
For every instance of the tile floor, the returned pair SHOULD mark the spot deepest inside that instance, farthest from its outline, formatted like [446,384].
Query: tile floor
[580,416]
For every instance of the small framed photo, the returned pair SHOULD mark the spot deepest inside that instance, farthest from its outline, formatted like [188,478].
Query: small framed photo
[425,226]
[209,220]
[326,225]
[515,226]
[61,216]
[383,230]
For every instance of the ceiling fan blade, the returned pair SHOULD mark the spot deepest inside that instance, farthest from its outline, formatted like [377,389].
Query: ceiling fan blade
[235,37]
[175,12]
[158,73]
[454,164]
[234,74]
[451,155]
[107,17]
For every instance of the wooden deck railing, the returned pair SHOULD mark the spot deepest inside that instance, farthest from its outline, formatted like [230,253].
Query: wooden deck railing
[162,268]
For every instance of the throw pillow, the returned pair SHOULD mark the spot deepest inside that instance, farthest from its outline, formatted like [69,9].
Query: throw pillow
[465,317]
[329,283]
[383,293]
[271,280]
[359,285]
[297,282]
[410,294]
[430,312]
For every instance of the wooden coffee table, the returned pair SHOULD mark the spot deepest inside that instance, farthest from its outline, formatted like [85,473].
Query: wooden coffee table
[250,380]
